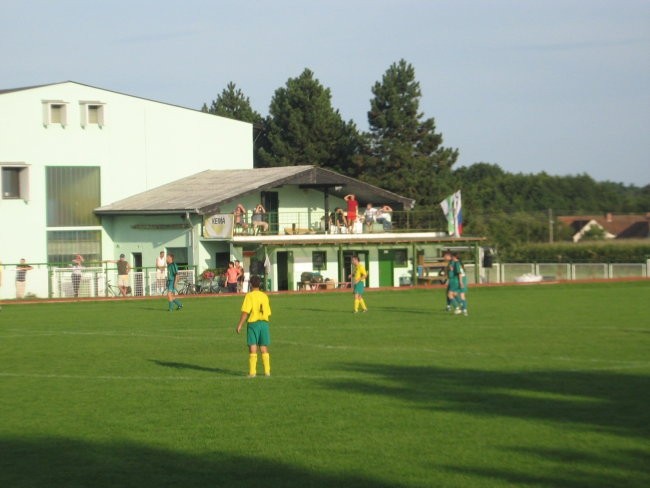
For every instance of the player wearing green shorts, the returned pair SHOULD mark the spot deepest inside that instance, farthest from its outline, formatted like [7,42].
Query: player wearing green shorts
[359,276]
[172,278]
[459,286]
[256,309]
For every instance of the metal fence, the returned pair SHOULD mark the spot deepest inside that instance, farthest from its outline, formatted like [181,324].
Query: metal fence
[512,272]
[45,281]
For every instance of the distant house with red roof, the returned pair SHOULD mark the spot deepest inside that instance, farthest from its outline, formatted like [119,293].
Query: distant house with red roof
[625,226]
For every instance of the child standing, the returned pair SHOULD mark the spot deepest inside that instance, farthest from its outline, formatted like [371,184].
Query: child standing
[257,310]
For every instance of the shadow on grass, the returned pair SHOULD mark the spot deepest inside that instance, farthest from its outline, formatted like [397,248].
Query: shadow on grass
[573,469]
[600,400]
[195,367]
[53,462]
[596,401]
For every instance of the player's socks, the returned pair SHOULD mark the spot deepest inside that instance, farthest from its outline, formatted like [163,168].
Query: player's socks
[356,305]
[178,302]
[266,361]
[252,364]
[363,304]
[463,304]
[171,306]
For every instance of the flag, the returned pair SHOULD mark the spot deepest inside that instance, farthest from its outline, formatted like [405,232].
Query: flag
[452,208]
[267,263]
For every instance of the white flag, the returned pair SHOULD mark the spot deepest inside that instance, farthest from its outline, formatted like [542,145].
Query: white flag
[452,208]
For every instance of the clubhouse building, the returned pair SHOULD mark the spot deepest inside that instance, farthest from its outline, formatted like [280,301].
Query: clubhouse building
[93,172]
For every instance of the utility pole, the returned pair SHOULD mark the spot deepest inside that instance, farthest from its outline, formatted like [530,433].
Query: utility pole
[550,225]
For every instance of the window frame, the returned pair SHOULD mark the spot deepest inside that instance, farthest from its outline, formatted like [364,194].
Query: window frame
[313,260]
[47,112]
[23,180]
[401,263]
[84,111]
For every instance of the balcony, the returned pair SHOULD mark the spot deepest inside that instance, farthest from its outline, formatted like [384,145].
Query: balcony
[287,223]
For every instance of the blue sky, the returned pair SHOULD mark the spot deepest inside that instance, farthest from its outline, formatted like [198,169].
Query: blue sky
[531,85]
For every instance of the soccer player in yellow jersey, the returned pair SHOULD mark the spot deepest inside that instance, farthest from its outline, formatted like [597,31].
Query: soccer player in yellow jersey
[358,283]
[257,309]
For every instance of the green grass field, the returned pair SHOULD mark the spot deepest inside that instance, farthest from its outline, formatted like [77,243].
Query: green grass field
[541,386]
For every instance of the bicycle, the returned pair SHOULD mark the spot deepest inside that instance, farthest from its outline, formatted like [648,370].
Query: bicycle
[112,290]
[187,288]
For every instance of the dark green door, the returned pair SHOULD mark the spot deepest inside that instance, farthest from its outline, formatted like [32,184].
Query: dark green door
[271,204]
[386,267]
[285,270]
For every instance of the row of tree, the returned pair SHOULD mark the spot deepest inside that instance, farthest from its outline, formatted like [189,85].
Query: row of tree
[403,153]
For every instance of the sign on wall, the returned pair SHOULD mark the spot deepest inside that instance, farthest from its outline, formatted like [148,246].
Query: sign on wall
[218,226]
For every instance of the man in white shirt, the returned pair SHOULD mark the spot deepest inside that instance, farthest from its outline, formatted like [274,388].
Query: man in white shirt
[161,272]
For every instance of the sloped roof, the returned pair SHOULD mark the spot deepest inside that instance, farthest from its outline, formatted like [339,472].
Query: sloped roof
[204,192]
[621,226]
[24,88]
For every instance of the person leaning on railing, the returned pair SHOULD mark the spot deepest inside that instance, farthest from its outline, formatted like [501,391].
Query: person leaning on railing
[21,278]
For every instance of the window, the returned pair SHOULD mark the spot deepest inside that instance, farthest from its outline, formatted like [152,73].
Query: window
[55,112]
[400,258]
[73,193]
[63,245]
[15,182]
[180,255]
[319,260]
[92,113]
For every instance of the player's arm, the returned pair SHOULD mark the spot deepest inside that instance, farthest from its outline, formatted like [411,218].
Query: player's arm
[242,321]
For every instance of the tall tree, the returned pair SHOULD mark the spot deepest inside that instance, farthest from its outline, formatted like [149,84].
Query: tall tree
[303,128]
[232,103]
[405,154]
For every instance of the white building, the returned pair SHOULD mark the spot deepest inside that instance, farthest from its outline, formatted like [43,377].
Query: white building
[68,148]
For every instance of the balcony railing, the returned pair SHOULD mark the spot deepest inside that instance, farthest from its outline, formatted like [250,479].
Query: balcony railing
[316,222]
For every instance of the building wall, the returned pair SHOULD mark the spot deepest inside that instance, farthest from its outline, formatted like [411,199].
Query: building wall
[142,144]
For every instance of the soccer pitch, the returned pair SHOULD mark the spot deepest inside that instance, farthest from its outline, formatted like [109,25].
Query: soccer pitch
[545,385]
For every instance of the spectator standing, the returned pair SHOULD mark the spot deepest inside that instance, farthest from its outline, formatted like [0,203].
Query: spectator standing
[161,272]
[77,265]
[353,206]
[240,277]
[123,268]
[232,277]
[21,278]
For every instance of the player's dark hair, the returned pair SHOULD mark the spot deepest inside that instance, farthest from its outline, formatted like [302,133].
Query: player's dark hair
[170,254]
[255,281]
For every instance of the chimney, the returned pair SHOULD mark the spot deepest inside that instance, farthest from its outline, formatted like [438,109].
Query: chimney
[609,217]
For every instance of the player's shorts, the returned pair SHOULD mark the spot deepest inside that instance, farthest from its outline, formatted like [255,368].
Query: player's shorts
[258,334]
[123,280]
[359,286]
[454,286]
[170,286]
[463,286]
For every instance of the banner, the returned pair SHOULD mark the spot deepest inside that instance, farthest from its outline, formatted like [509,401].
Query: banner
[218,226]
[453,209]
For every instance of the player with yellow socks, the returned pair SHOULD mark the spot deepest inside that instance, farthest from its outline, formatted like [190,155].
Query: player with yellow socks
[359,275]
[257,310]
